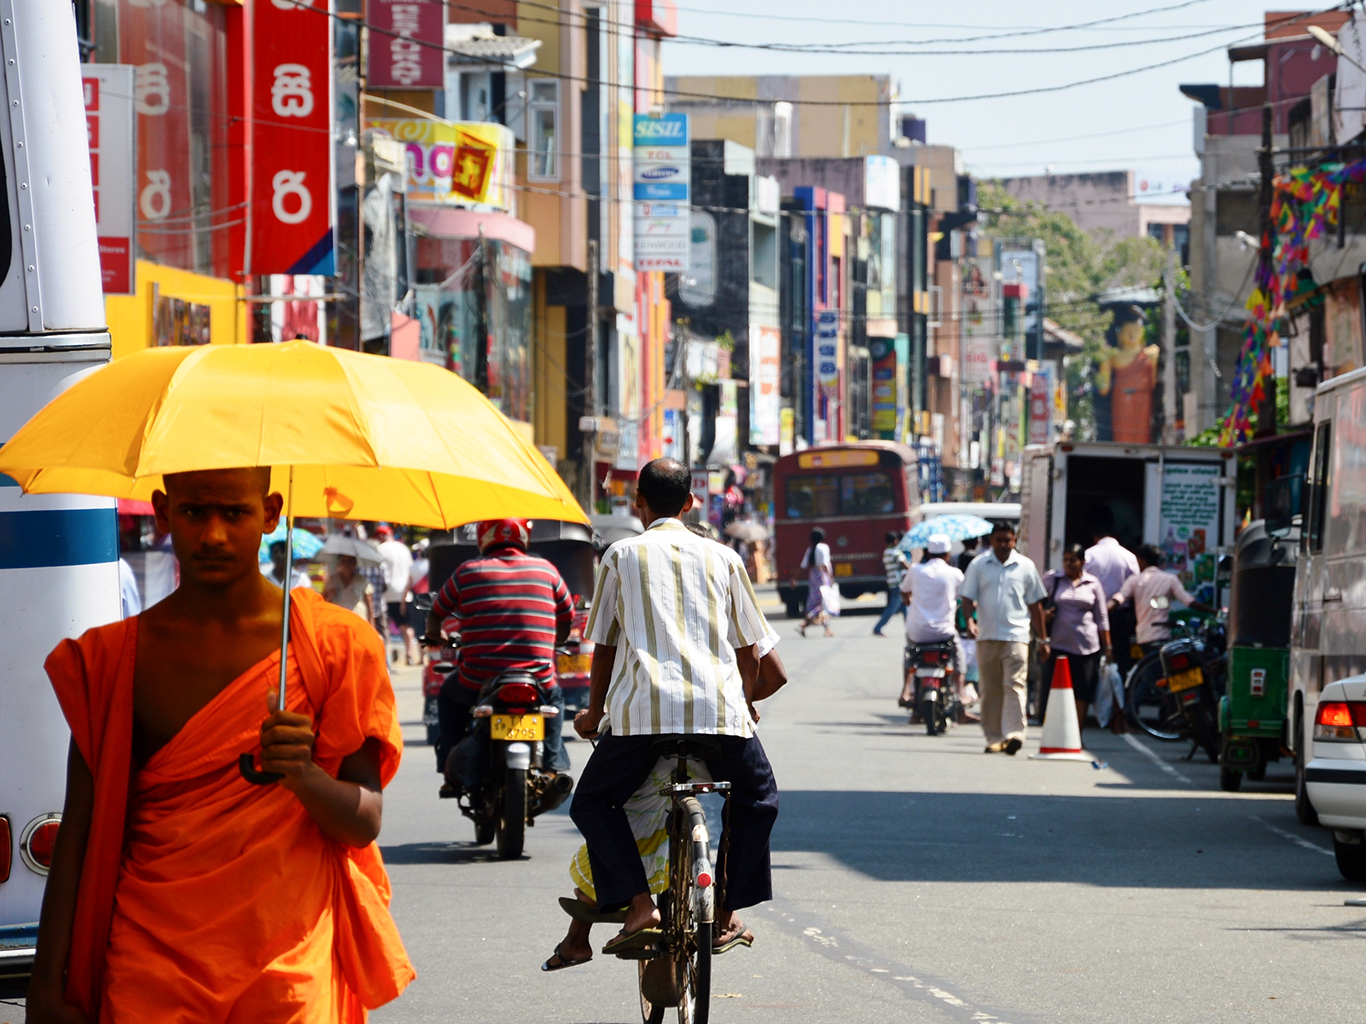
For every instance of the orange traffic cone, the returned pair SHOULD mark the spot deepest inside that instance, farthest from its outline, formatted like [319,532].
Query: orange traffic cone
[1061,730]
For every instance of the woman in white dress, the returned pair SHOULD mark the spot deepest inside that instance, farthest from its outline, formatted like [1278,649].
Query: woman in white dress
[819,573]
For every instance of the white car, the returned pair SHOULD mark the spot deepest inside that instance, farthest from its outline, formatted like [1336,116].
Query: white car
[1336,775]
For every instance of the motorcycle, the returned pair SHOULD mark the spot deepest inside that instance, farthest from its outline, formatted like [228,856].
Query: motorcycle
[934,696]
[500,761]
[1173,693]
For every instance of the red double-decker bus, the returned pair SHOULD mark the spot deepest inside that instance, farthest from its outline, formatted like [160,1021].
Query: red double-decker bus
[856,493]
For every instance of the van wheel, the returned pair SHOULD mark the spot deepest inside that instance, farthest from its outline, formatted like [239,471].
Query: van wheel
[1229,779]
[1304,810]
[1351,859]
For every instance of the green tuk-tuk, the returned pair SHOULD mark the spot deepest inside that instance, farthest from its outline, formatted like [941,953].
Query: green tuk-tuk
[1252,712]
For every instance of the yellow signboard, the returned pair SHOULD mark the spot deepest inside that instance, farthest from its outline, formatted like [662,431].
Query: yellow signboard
[465,162]
[838,457]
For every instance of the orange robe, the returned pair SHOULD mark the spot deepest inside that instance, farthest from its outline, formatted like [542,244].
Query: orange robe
[1131,402]
[204,898]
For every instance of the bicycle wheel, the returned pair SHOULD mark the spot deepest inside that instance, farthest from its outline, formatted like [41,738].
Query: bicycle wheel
[691,945]
[1150,705]
[649,1012]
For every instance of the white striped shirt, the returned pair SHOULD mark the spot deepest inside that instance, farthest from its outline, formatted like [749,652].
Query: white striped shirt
[676,607]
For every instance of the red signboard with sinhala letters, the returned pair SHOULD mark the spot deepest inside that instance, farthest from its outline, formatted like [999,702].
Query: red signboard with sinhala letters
[291,138]
[406,40]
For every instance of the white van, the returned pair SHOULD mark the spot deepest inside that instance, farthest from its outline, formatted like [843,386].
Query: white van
[1328,631]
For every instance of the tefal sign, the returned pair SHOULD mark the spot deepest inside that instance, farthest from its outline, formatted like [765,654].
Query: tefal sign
[291,194]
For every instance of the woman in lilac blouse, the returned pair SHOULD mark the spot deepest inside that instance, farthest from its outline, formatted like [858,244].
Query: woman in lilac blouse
[1079,627]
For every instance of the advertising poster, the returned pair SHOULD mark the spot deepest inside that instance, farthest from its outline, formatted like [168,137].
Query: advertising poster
[290,188]
[460,162]
[884,397]
[111,128]
[1188,525]
[765,398]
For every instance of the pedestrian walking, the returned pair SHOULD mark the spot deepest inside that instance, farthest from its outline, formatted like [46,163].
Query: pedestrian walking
[347,588]
[1003,587]
[968,553]
[396,562]
[819,575]
[894,565]
[1112,563]
[1079,629]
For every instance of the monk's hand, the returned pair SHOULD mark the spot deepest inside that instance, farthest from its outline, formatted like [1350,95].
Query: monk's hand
[287,747]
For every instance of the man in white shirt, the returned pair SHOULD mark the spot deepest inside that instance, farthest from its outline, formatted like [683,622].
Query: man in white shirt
[1151,593]
[676,628]
[1112,563]
[1004,588]
[931,591]
[396,561]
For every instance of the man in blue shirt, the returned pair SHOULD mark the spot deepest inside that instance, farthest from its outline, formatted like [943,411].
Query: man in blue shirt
[1004,588]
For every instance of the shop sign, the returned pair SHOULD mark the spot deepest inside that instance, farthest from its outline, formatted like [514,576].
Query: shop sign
[881,183]
[883,352]
[765,395]
[291,194]
[406,44]
[111,128]
[827,347]
[463,162]
[696,288]
[1041,405]
[661,175]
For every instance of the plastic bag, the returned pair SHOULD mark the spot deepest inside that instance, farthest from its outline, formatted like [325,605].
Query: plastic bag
[830,598]
[1109,694]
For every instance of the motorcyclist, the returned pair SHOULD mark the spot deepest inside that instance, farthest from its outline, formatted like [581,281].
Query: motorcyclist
[512,609]
[930,589]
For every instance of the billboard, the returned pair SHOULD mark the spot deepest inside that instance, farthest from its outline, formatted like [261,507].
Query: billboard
[111,129]
[406,44]
[765,394]
[463,162]
[661,176]
[290,188]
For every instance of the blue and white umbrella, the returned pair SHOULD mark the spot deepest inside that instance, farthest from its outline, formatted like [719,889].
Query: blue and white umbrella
[306,545]
[955,527]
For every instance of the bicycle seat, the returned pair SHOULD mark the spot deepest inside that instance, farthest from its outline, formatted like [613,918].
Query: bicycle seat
[697,747]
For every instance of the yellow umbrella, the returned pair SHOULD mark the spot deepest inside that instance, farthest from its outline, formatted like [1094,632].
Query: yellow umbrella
[346,435]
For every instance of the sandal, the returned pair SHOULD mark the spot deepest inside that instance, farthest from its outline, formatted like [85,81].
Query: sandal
[586,913]
[564,960]
[737,936]
[631,942]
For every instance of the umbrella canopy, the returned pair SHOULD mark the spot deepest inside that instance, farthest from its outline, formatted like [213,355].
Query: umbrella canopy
[743,529]
[367,437]
[955,527]
[306,545]
[339,544]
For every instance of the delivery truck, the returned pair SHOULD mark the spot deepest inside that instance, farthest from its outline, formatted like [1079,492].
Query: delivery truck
[1181,499]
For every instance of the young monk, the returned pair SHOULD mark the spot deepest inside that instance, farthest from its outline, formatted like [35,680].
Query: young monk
[179,891]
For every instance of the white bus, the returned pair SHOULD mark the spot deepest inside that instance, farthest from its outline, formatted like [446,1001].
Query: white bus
[1328,631]
[58,553]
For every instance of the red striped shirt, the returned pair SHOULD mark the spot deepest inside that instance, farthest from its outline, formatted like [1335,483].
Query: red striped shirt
[509,605]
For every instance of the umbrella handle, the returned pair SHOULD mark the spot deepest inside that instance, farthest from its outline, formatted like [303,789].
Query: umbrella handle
[246,764]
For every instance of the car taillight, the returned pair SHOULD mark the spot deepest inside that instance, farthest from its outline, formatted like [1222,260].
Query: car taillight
[6,848]
[518,693]
[1336,720]
[38,842]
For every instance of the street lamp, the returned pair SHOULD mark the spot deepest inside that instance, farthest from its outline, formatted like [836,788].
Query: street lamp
[1331,41]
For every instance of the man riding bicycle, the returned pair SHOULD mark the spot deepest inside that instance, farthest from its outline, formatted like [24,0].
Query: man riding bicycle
[512,609]
[676,626]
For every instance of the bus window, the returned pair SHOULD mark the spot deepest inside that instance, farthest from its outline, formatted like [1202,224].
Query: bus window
[1317,492]
[867,494]
[813,497]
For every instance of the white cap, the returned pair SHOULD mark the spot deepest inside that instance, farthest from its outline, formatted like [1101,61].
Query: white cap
[938,544]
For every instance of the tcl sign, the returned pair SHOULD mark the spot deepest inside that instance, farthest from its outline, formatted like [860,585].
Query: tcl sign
[406,39]
[290,205]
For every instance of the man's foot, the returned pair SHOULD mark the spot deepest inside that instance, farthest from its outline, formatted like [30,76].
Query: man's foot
[1013,745]
[559,960]
[878,632]
[448,791]
[829,631]
[730,936]
[995,748]
[801,631]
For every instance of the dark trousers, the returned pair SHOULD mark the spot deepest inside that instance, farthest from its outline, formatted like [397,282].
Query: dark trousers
[619,767]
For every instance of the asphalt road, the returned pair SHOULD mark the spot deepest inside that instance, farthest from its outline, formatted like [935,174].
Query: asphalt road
[917,879]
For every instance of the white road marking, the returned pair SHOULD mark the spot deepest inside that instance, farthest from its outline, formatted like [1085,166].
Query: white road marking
[1143,749]
[1297,840]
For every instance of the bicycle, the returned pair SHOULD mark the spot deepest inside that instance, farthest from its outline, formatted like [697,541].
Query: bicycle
[676,971]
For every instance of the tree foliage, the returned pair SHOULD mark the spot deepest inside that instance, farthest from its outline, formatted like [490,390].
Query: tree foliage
[1079,266]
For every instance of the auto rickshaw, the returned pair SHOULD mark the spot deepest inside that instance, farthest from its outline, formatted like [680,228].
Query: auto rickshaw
[1252,712]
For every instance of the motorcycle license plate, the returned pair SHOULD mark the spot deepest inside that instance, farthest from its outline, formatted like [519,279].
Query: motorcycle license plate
[528,728]
[931,673]
[573,664]
[1187,680]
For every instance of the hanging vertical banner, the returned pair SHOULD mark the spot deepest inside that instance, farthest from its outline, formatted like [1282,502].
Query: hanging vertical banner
[765,394]
[406,44]
[111,129]
[291,138]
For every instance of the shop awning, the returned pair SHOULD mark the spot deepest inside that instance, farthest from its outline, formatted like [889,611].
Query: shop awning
[458,222]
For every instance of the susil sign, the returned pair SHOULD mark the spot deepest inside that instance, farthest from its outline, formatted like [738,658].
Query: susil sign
[290,207]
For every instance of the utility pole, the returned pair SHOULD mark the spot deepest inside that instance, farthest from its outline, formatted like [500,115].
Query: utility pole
[1169,348]
[591,410]
[1266,412]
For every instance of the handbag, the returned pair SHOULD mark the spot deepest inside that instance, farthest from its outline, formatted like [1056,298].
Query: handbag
[830,598]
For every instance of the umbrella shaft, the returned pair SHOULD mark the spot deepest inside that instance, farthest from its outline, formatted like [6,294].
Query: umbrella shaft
[289,579]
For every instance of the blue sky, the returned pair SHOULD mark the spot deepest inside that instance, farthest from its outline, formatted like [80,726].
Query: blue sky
[1139,121]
